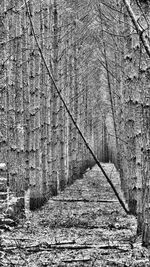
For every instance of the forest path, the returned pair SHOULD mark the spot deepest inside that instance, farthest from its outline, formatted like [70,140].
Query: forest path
[82,226]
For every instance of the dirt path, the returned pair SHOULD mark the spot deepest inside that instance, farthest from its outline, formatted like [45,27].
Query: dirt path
[83,226]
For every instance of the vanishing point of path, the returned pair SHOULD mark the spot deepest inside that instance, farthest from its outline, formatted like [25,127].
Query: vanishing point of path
[82,226]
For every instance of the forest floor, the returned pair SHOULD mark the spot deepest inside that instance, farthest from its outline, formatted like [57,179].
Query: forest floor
[82,226]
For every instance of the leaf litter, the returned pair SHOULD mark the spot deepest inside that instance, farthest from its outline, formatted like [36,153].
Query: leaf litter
[83,226]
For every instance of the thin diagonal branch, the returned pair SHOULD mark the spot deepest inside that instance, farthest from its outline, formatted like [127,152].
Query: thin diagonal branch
[70,115]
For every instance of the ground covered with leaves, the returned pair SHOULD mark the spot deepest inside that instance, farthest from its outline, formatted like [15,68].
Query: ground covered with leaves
[82,226]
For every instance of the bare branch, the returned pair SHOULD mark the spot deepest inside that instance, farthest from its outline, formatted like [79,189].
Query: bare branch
[140,31]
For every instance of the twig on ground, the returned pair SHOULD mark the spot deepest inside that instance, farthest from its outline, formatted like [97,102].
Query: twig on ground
[85,200]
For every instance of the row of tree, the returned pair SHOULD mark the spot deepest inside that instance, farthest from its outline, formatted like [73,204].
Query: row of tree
[125,29]
[39,141]
[134,125]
